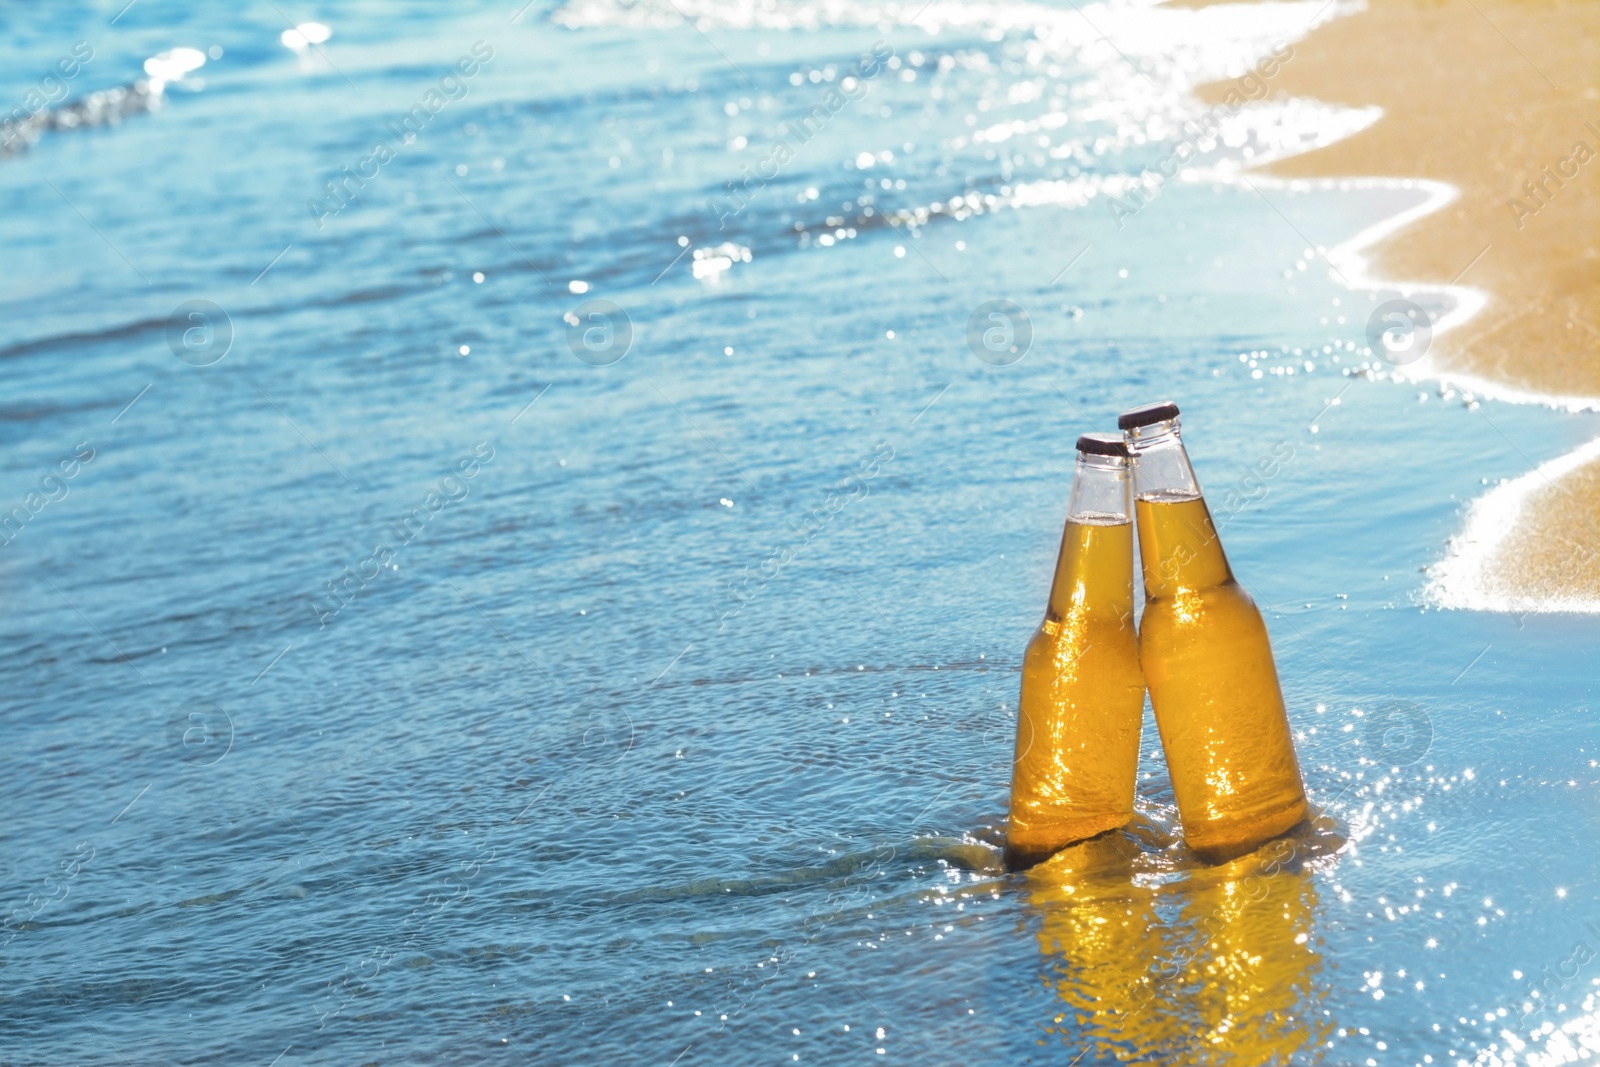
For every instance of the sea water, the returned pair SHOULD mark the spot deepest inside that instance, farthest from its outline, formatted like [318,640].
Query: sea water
[423,663]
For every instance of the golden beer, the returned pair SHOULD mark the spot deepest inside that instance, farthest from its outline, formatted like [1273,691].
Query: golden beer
[1077,745]
[1207,660]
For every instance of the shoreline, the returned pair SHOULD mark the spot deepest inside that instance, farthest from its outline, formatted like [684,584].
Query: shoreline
[1491,108]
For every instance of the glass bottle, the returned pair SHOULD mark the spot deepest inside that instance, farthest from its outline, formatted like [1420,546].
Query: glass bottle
[1077,746]
[1206,659]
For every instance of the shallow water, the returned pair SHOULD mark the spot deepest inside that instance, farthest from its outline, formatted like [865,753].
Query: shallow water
[679,731]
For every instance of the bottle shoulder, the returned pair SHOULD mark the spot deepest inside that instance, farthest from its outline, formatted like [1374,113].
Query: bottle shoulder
[1226,590]
[1226,600]
[1086,628]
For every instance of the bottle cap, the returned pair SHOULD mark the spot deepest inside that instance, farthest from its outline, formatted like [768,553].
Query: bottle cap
[1136,417]
[1103,444]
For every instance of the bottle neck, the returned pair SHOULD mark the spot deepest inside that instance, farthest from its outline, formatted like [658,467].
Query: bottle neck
[1179,549]
[1101,491]
[1160,462]
[1094,572]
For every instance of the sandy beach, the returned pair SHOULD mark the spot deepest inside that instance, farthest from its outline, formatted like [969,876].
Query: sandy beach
[562,595]
[1502,101]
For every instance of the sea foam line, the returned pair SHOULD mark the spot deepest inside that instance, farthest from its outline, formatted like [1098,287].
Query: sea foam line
[1352,262]
[1462,578]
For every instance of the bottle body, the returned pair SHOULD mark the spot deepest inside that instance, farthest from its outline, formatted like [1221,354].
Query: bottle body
[1213,684]
[1082,697]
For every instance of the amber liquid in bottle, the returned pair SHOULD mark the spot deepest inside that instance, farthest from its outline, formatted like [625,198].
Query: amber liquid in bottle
[1077,746]
[1213,685]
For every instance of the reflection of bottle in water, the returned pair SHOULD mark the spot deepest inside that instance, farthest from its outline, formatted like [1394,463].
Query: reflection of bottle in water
[1100,936]
[1244,943]
[1219,967]
[1077,748]
[1206,659]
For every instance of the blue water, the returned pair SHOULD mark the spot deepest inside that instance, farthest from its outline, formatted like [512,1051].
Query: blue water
[675,727]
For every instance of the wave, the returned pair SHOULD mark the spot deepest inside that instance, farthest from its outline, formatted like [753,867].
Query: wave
[75,339]
[1152,28]
[1128,72]
[104,107]
[1141,55]
[1465,578]
[1141,64]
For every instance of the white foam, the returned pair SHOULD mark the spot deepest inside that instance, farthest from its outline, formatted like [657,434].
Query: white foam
[1138,27]
[1464,579]
[1142,59]
[1147,50]
[1353,266]
[1461,302]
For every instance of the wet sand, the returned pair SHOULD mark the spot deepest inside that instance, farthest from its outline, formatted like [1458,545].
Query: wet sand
[1561,521]
[1501,100]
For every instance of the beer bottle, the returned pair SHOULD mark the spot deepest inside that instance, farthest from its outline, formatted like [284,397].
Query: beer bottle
[1077,747]
[1206,659]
